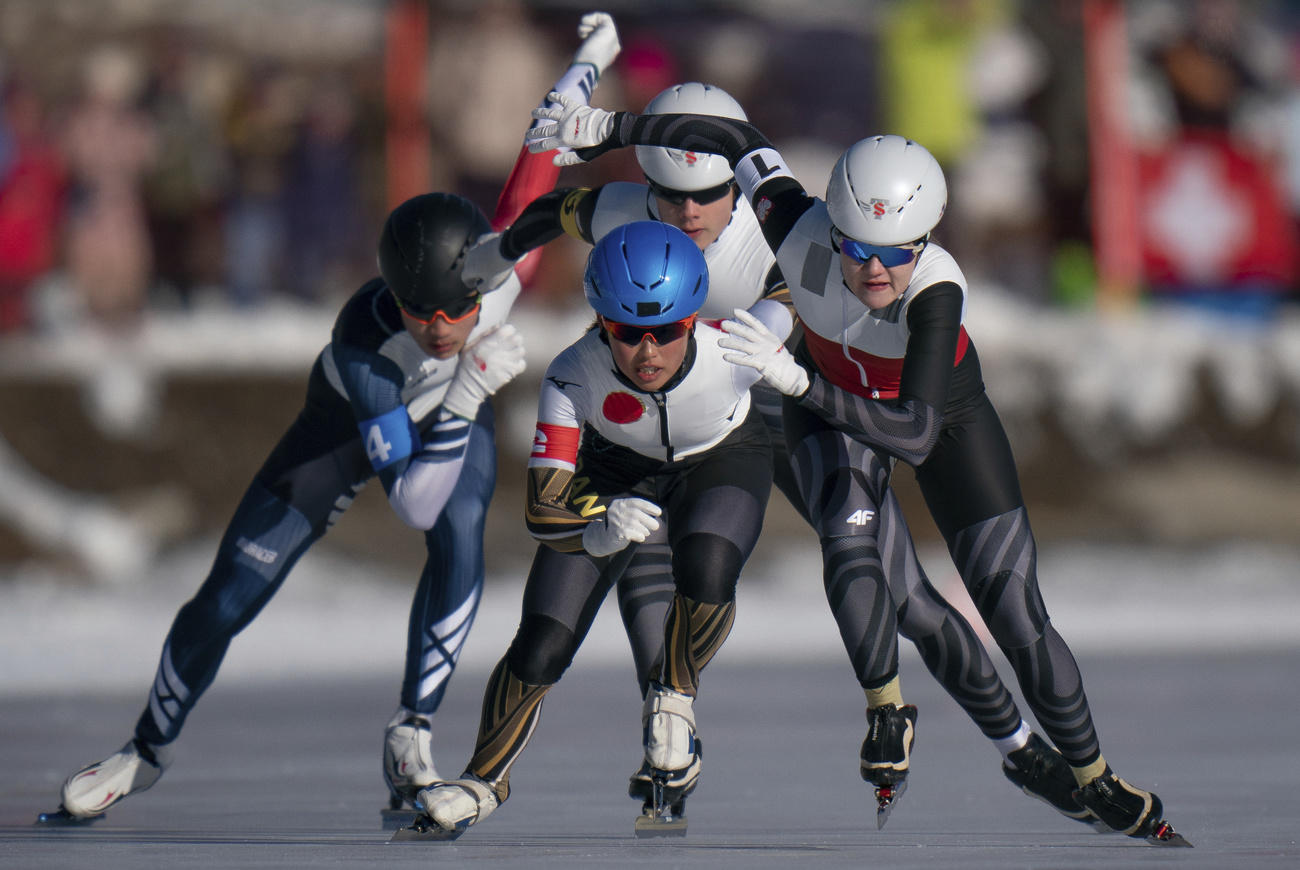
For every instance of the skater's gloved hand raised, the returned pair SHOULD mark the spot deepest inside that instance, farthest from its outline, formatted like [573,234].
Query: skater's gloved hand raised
[576,126]
[756,346]
[627,521]
[485,269]
[485,366]
[600,41]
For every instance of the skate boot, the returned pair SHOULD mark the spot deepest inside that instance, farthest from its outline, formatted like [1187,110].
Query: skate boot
[408,757]
[1128,809]
[1041,772]
[886,753]
[450,808]
[640,784]
[672,762]
[133,768]
[675,785]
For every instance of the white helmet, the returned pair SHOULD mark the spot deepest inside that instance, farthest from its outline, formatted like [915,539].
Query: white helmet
[886,190]
[688,170]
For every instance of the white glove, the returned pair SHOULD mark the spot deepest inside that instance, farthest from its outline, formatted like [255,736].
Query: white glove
[576,126]
[485,269]
[627,520]
[600,41]
[484,367]
[759,348]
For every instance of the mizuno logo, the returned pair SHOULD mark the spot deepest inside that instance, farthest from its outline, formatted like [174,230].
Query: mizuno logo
[560,385]
[261,554]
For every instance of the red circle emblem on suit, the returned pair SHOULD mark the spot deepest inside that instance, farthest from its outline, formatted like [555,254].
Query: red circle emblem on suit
[620,407]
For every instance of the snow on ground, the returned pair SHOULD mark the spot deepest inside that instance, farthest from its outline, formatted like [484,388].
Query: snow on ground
[1111,378]
[337,616]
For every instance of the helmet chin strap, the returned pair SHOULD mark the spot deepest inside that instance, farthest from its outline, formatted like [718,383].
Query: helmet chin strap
[844,337]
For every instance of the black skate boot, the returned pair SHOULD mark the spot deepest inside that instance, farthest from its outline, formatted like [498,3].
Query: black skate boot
[1128,810]
[1041,772]
[886,753]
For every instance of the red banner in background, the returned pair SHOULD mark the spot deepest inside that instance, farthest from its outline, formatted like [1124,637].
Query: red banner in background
[408,151]
[1113,168]
[1213,216]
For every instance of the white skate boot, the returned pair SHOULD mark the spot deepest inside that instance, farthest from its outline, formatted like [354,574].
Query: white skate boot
[93,789]
[450,808]
[669,719]
[672,762]
[408,757]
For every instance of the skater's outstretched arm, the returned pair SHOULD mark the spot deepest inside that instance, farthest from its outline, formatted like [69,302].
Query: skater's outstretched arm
[534,175]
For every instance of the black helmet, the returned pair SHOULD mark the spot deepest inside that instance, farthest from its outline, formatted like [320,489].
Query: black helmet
[422,250]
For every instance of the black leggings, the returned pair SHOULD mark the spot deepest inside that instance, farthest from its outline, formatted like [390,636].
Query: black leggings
[873,580]
[970,485]
[713,506]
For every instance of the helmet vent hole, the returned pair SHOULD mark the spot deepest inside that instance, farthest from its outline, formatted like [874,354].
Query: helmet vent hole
[647,309]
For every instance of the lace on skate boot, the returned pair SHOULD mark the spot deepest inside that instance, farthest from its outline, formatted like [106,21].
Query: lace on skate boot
[1041,772]
[1128,810]
[886,754]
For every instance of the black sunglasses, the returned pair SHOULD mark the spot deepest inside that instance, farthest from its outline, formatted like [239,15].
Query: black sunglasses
[701,197]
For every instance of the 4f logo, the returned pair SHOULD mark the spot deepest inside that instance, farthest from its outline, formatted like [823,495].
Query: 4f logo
[860,517]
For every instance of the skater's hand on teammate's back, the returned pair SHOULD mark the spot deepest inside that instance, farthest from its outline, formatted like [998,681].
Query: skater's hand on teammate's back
[576,126]
[485,269]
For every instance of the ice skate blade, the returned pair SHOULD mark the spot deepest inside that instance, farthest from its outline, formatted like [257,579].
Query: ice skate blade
[1165,835]
[424,828]
[647,826]
[392,819]
[886,799]
[61,818]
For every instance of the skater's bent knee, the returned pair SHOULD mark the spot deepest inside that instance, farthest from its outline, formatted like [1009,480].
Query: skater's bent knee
[542,650]
[706,568]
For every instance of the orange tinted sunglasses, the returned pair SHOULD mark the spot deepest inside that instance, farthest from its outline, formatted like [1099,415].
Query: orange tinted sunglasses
[454,313]
[633,335]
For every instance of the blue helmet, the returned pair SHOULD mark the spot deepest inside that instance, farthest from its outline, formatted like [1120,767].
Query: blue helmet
[646,273]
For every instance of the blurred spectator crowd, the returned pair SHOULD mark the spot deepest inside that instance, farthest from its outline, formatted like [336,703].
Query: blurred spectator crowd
[163,153]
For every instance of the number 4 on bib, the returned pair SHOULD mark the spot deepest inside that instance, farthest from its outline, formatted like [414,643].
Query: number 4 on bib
[377,448]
